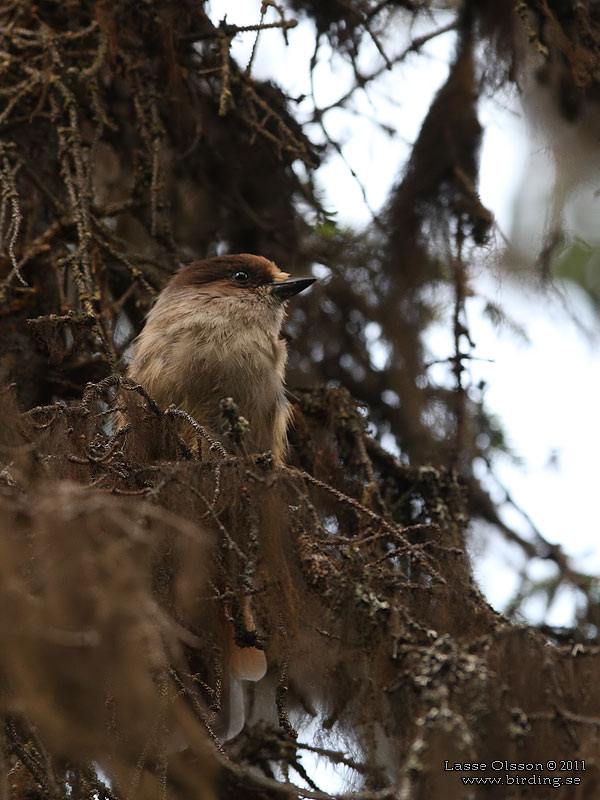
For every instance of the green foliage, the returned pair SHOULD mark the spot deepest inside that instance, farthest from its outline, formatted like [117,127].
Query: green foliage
[579,263]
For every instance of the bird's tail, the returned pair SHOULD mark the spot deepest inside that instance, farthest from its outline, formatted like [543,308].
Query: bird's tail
[246,663]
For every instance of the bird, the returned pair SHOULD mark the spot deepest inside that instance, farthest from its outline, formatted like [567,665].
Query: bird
[215,333]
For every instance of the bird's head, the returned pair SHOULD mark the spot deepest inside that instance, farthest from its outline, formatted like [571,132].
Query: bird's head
[245,287]
[241,276]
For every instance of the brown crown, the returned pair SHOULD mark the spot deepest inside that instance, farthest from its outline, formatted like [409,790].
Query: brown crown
[209,270]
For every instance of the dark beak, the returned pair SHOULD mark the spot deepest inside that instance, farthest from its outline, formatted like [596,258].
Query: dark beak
[286,289]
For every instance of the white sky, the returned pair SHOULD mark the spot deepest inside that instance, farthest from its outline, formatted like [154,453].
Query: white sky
[546,393]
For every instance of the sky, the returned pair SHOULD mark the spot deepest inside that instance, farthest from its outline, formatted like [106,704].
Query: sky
[546,391]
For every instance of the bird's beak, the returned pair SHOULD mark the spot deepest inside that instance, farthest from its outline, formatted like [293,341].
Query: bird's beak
[286,289]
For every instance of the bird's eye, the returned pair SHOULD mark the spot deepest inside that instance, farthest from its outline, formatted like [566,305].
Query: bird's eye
[240,276]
